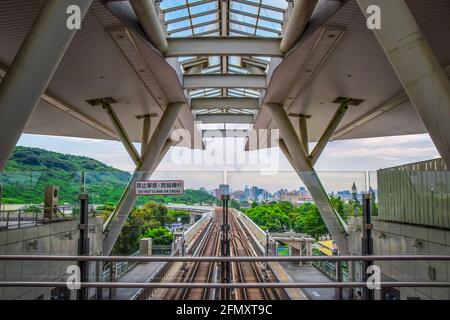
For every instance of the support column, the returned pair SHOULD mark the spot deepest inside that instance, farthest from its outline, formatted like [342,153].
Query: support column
[335,224]
[122,133]
[297,22]
[328,133]
[416,67]
[32,69]
[157,147]
[303,127]
[145,133]
[149,19]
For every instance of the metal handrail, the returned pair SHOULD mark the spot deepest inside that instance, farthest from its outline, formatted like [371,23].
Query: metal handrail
[224,259]
[144,287]
[120,267]
[173,285]
[32,217]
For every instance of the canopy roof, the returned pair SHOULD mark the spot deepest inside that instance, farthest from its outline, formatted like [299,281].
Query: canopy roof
[336,56]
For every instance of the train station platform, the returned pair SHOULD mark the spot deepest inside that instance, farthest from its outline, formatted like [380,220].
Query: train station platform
[140,273]
[309,274]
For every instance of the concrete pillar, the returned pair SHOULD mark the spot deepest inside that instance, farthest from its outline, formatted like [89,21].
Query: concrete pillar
[32,69]
[145,246]
[416,67]
[334,222]
[157,146]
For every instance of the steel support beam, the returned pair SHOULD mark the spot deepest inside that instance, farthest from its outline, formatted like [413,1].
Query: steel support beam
[149,19]
[372,114]
[303,127]
[297,22]
[122,133]
[327,134]
[146,127]
[417,68]
[32,69]
[334,222]
[285,150]
[223,46]
[153,154]
[225,118]
[224,103]
[201,81]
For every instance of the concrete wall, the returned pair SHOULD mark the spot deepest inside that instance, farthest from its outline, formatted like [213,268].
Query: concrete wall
[390,238]
[59,238]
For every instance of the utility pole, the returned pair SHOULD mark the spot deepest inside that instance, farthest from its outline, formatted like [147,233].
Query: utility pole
[367,243]
[83,245]
[267,247]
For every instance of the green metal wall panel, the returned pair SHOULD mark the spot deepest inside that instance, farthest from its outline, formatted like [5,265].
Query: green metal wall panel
[416,193]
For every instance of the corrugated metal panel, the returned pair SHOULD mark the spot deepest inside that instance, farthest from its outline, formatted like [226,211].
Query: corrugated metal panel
[417,193]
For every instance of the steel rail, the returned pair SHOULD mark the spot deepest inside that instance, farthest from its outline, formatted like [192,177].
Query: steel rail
[300,285]
[224,259]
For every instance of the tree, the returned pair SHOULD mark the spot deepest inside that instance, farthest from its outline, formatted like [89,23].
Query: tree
[373,204]
[235,204]
[269,217]
[184,216]
[308,220]
[160,235]
[355,201]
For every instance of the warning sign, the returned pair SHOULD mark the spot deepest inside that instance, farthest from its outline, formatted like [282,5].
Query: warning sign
[159,187]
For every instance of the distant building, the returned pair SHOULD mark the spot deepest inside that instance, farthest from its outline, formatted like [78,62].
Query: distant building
[247,193]
[223,189]
[238,195]
[345,195]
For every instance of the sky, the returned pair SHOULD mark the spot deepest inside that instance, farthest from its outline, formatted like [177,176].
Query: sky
[341,163]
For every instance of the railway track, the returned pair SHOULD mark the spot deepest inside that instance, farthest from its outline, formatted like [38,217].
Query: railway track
[209,272]
[199,271]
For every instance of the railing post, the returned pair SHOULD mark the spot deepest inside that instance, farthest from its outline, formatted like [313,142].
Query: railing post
[18,222]
[110,291]
[1,196]
[338,279]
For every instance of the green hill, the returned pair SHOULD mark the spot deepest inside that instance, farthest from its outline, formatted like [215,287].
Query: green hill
[29,170]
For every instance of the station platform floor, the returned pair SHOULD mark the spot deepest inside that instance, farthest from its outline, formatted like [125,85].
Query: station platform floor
[143,272]
[140,273]
[309,274]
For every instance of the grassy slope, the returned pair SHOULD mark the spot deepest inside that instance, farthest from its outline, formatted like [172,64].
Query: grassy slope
[29,170]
